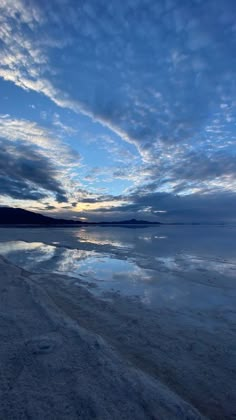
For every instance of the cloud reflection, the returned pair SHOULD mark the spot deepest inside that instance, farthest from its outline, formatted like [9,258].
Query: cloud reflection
[126,261]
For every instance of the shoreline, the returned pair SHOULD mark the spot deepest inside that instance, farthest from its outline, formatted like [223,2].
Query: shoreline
[67,353]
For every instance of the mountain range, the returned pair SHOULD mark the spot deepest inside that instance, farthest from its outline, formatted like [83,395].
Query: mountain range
[17,216]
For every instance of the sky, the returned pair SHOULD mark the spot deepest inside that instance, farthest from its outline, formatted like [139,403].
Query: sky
[115,109]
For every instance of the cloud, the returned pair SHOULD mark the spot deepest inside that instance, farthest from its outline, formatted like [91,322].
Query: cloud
[45,140]
[164,207]
[18,190]
[159,75]
[152,84]
[199,167]
[161,82]
[31,153]
[27,175]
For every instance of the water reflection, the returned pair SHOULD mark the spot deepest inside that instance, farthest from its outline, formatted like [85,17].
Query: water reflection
[99,238]
[27,254]
[109,273]
[152,265]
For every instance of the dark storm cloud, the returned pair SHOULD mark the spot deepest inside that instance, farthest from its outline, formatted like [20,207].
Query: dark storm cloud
[26,174]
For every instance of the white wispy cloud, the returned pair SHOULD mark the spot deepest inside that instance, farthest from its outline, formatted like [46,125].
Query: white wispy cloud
[26,131]
[158,76]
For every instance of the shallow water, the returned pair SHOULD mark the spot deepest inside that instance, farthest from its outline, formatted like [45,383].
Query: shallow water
[177,265]
[182,334]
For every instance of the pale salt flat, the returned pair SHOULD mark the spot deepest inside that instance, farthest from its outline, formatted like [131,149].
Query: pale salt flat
[161,299]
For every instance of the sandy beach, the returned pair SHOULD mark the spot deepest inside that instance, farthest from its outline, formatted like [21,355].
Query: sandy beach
[66,354]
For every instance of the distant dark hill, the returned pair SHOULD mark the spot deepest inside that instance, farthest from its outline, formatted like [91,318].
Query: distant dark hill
[14,216]
[130,222]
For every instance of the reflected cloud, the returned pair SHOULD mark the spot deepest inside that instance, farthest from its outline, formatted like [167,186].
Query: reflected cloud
[98,238]
[14,246]
[150,238]
[188,263]
[124,261]
[28,255]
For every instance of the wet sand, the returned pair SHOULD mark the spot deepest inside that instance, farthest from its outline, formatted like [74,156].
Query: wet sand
[66,354]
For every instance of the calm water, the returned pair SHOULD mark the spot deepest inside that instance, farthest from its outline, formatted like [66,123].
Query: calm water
[172,264]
